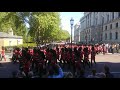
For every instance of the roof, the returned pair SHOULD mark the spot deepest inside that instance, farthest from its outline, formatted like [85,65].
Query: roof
[6,35]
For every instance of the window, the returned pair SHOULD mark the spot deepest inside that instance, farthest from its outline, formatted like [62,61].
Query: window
[118,14]
[105,27]
[107,18]
[110,36]
[101,37]
[117,25]
[96,21]
[110,26]
[102,20]
[90,19]
[105,36]
[116,35]
[89,37]
[10,43]
[112,15]
[88,22]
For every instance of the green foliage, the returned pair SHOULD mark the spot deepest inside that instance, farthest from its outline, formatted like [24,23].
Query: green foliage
[9,49]
[64,35]
[43,25]
[27,44]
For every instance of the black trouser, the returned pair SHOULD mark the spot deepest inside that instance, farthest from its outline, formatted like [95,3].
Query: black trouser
[86,62]
[20,65]
[69,64]
[33,64]
[0,57]
[73,67]
[49,62]
[13,58]
[93,60]
[60,60]
[46,61]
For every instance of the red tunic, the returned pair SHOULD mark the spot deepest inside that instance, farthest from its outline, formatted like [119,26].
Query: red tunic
[68,56]
[89,49]
[86,56]
[58,53]
[81,55]
[19,54]
[49,56]
[72,57]
[63,56]
[3,52]
[35,57]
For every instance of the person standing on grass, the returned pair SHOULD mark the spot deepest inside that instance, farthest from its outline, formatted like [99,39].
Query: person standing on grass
[3,54]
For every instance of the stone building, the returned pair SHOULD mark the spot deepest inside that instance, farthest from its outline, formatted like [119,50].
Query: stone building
[100,27]
[77,33]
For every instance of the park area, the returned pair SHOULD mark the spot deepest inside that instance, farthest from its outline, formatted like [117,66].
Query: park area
[111,60]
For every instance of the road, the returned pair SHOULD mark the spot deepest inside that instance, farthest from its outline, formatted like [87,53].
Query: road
[7,67]
[112,60]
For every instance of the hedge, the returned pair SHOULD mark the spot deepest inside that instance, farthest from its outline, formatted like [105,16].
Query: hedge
[7,48]
[27,44]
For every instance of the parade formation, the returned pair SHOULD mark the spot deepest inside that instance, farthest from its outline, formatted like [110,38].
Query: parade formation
[37,45]
[45,62]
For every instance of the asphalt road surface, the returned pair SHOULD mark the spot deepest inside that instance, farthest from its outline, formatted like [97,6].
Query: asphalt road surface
[112,60]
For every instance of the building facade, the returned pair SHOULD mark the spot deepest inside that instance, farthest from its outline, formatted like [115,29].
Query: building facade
[100,27]
[8,39]
[77,33]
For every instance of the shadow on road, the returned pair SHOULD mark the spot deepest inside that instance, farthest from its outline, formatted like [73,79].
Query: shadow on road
[6,68]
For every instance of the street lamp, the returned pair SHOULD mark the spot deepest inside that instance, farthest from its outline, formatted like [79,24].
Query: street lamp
[71,23]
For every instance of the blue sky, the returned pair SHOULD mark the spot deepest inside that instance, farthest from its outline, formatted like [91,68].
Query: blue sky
[65,19]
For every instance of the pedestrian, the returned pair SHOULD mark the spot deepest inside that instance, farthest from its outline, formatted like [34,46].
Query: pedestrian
[55,72]
[86,57]
[93,74]
[82,74]
[93,53]
[3,54]
[107,72]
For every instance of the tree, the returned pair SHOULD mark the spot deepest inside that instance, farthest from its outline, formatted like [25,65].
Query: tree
[44,25]
[14,20]
[64,35]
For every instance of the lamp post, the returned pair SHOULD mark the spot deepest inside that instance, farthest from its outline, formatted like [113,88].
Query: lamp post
[71,23]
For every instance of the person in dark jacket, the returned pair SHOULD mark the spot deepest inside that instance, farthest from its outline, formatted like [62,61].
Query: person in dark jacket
[107,72]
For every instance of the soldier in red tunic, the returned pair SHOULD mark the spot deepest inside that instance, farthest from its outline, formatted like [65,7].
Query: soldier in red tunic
[80,61]
[86,57]
[62,55]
